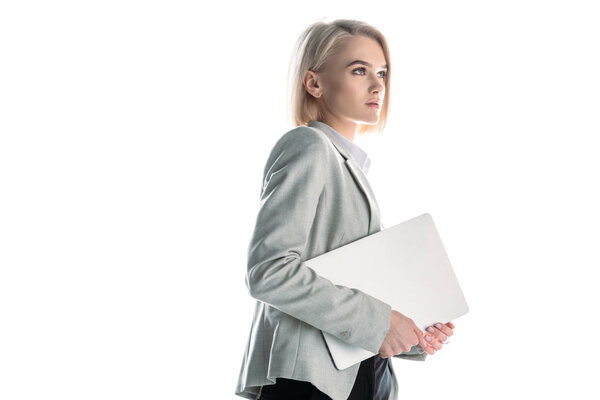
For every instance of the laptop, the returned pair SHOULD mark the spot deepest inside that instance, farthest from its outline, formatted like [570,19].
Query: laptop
[405,266]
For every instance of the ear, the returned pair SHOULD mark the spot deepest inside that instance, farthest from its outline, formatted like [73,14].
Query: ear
[311,83]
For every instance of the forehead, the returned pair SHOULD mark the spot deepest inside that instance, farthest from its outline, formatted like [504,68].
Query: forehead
[360,48]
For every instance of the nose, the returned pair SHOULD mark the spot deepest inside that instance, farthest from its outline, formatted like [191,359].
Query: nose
[377,86]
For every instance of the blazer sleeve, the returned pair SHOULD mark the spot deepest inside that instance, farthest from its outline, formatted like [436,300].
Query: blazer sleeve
[415,354]
[293,181]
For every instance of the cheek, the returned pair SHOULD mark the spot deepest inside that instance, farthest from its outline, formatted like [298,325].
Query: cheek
[347,93]
[357,92]
[337,88]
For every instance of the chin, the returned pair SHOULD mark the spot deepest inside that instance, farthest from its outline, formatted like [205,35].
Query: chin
[366,119]
[370,121]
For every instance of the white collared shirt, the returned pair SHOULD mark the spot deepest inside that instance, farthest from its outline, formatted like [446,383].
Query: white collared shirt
[359,155]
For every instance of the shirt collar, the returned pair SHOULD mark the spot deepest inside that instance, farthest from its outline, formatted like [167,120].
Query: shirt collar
[359,155]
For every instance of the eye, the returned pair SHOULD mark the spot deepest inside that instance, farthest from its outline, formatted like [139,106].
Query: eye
[364,70]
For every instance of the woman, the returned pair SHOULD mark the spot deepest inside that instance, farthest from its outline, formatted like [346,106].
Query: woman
[315,197]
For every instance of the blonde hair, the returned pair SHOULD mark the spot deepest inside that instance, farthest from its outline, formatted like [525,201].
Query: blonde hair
[320,41]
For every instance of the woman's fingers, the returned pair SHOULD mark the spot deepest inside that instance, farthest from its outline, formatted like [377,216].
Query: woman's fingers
[444,329]
[429,349]
[433,341]
[420,336]
[427,339]
[437,334]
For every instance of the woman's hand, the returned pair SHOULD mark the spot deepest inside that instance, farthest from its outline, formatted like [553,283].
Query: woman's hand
[436,334]
[402,335]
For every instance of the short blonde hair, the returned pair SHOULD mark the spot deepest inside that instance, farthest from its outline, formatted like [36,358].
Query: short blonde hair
[320,41]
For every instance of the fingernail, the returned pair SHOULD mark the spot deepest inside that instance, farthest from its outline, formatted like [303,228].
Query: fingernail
[431,330]
[428,338]
[438,325]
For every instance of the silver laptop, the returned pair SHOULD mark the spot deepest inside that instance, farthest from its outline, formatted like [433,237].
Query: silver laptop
[405,266]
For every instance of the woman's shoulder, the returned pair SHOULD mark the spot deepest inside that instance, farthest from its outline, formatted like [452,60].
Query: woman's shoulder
[303,146]
[303,135]
[303,139]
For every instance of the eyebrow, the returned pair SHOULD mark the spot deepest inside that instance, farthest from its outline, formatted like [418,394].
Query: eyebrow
[365,63]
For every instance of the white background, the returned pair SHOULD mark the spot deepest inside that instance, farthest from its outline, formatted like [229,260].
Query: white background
[133,138]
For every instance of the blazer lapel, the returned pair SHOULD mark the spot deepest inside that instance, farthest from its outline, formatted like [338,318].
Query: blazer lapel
[358,175]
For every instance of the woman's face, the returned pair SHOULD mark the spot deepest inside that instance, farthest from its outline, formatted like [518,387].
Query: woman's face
[351,79]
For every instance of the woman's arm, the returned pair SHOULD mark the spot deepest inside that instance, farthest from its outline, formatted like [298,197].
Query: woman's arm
[294,178]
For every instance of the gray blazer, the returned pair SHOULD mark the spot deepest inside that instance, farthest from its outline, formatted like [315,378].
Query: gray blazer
[314,199]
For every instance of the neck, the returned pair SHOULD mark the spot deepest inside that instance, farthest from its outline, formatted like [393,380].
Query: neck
[344,127]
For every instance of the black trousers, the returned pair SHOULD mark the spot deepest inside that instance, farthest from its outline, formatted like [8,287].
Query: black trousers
[289,389]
